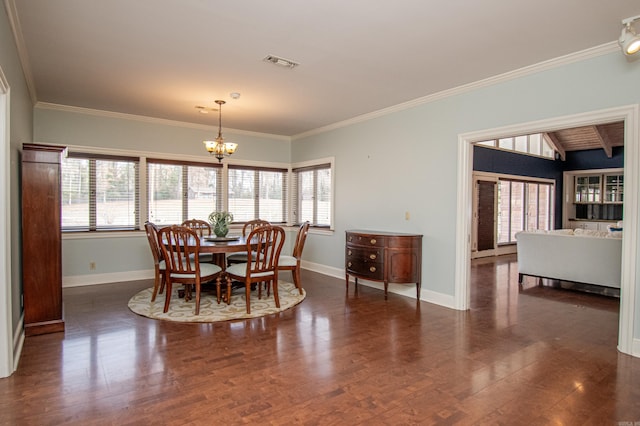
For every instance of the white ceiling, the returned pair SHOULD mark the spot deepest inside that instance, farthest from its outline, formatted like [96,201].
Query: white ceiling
[161,58]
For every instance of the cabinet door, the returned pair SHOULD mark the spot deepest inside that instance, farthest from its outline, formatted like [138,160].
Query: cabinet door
[587,189]
[613,188]
[403,265]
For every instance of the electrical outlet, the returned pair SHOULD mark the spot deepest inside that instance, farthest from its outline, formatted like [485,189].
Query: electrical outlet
[407,216]
[92,266]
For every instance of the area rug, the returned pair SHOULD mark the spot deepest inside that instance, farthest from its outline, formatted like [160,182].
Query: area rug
[210,310]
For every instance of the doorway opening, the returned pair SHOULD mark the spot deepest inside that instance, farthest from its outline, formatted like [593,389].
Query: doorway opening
[630,116]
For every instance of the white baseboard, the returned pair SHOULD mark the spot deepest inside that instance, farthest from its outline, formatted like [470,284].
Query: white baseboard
[114,277]
[18,342]
[402,289]
[635,348]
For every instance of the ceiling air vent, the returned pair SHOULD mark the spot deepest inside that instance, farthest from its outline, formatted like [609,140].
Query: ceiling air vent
[286,63]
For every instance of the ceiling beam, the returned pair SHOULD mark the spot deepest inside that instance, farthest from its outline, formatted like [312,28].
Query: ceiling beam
[555,144]
[604,140]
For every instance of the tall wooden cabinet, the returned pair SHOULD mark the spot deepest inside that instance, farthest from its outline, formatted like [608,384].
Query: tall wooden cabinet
[41,239]
[384,256]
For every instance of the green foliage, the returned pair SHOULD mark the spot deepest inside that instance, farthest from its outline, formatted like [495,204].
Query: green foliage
[220,217]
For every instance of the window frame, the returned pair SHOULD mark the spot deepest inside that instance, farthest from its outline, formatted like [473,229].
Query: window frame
[93,158]
[315,165]
[510,144]
[256,191]
[184,190]
[526,205]
[198,161]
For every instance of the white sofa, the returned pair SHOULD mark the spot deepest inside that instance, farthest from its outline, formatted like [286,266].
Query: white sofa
[580,256]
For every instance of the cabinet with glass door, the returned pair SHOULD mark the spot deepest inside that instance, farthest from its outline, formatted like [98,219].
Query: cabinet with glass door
[613,188]
[588,189]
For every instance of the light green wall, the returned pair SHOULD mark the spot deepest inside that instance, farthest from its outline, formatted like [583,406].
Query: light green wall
[407,161]
[68,127]
[84,129]
[21,119]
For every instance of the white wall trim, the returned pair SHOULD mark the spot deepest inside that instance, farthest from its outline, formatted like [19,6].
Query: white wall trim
[113,277]
[500,78]
[635,350]
[408,290]
[18,342]
[6,307]
[154,120]
[630,115]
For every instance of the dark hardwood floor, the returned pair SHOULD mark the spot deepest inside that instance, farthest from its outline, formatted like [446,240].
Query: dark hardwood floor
[531,355]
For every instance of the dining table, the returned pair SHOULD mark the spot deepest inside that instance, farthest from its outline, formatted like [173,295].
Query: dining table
[220,246]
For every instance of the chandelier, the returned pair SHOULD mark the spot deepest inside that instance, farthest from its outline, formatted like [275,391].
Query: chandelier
[218,147]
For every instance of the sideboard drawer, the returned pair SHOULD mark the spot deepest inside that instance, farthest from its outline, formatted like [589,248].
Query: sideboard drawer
[369,254]
[366,269]
[365,240]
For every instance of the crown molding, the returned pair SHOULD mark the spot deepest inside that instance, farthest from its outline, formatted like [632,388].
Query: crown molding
[16,29]
[153,120]
[500,78]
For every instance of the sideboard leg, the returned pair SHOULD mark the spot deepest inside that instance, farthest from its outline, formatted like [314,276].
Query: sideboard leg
[347,282]
[418,290]
[386,288]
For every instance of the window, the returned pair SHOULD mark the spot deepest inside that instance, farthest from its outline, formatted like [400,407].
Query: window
[534,144]
[99,193]
[313,195]
[179,191]
[104,191]
[523,205]
[257,193]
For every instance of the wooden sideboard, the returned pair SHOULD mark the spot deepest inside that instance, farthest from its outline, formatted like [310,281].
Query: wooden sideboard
[41,239]
[384,256]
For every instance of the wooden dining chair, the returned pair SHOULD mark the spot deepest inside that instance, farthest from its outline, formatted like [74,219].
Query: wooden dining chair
[203,229]
[267,242]
[181,249]
[158,259]
[292,263]
[242,256]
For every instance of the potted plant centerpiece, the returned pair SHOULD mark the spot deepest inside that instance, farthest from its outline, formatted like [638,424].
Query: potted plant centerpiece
[220,222]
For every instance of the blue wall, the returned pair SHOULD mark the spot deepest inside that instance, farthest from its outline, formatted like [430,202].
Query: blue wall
[505,162]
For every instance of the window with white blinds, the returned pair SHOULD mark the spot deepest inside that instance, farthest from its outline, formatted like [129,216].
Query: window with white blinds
[178,191]
[99,193]
[257,193]
[103,192]
[523,205]
[313,195]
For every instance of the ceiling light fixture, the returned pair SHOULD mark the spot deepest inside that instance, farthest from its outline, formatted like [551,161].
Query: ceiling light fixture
[218,147]
[629,40]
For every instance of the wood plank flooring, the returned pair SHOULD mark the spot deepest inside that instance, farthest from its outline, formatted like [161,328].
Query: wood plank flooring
[531,355]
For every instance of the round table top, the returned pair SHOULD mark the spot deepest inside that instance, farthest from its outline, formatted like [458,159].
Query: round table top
[229,245]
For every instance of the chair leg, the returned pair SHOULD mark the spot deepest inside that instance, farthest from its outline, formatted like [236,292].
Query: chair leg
[296,279]
[275,291]
[228,292]
[197,286]
[163,281]
[156,285]
[247,291]
[218,295]
[167,298]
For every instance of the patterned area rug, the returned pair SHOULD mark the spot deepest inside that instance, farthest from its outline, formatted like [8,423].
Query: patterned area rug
[210,311]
